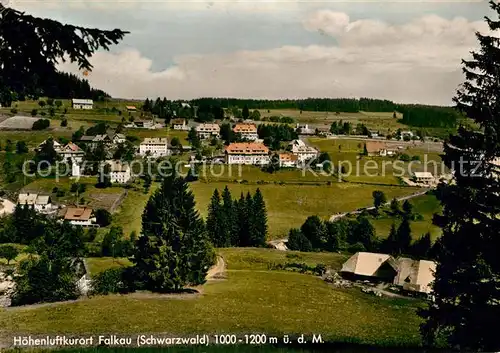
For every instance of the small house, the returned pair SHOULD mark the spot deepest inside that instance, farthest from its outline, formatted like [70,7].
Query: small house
[423,177]
[179,124]
[85,104]
[80,216]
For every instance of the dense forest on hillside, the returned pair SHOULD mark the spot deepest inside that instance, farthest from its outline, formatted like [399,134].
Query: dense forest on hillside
[429,116]
[348,105]
[60,85]
[413,115]
[68,86]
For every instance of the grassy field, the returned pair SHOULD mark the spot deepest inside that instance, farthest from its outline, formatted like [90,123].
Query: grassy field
[289,205]
[383,170]
[251,300]
[93,197]
[427,206]
[99,264]
[129,214]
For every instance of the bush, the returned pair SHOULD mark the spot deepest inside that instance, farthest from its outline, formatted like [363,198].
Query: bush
[93,249]
[415,158]
[34,112]
[113,280]
[41,124]
[64,122]
[60,193]
[13,111]
[404,157]
[357,247]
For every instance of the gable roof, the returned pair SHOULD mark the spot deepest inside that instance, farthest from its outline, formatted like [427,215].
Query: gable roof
[245,128]
[82,101]
[78,214]
[246,148]
[375,146]
[178,121]
[367,263]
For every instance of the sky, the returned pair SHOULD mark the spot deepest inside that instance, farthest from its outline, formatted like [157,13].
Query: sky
[402,50]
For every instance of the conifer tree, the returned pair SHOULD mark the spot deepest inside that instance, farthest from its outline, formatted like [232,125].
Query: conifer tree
[230,219]
[243,222]
[173,250]
[403,237]
[466,307]
[389,244]
[215,221]
[422,247]
[259,219]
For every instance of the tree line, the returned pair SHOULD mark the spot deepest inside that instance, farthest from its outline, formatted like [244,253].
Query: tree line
[237,222]
[358,234]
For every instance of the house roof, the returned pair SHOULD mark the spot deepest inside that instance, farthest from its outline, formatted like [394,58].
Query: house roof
[366,263]
[208,127]
[155,141]
[297,143]
[33,199]
[288,157]
[78,214]
[71,147]
[416,275]
[423,175]
[131,107]
[82,101]
[375,146]
[87,138]
[245,128]
[118,166]
[246,148]
[178,121]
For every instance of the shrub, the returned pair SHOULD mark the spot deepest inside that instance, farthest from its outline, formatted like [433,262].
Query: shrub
[64,122]
[41,124]
[60,193]
[356,247]
[113,280]
[404,157]
[13,111]
[34,112]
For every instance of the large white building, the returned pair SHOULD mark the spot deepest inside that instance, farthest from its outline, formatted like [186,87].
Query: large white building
[207,131]
[82,103]
[247,153]
[119,172]
[247,131]
[302,151]
[154,147]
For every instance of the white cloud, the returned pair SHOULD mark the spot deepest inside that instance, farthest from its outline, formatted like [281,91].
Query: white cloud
[414,62]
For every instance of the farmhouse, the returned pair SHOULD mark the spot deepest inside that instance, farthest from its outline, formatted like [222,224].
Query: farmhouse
[373,266]
[154,147]
[119,172]
[376,148]
[288,160]
[179,124]
[208,131]
[109,138]
[302,151]
[82,103]
[71,152]
[247,153]
[143,124]
[423,177]
[407,135]
[131,108]
[411,275]
[415,275]
[40,203]
[57,146]
[80,216]
[247,131]
[303,129]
